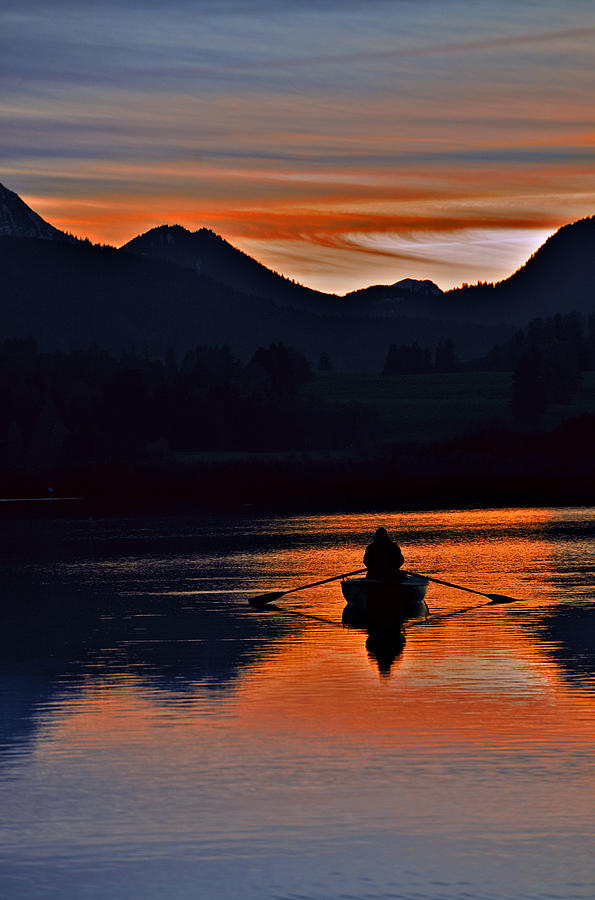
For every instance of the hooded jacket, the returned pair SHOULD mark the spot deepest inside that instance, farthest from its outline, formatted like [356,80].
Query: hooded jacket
[383,557]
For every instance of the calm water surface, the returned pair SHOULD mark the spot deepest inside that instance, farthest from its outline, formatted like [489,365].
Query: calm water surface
[161,739]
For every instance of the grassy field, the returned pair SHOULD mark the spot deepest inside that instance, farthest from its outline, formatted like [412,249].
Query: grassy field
[436,406]
[412,408]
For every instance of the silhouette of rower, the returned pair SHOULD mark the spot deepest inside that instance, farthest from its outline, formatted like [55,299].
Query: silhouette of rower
[383,558]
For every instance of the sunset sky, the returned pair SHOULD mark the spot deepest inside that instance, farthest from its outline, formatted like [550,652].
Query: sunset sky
[341,143]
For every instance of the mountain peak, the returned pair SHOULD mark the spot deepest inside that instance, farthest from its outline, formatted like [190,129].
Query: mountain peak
[211,255]
[19,220]
[177,244]
[418,286]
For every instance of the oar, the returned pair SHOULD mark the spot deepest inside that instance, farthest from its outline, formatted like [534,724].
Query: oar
[494,598]
[261,600]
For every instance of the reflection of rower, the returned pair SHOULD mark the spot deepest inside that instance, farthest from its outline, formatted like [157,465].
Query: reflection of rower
[383,558]
[384,648]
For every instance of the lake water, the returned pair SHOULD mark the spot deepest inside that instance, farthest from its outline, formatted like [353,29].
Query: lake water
[161,739]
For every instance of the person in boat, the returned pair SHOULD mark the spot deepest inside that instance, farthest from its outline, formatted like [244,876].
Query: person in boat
[383,558]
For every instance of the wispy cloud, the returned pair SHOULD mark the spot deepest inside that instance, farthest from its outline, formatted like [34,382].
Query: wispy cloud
[307,126]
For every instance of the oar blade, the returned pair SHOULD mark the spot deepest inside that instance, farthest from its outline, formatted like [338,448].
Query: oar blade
[502,598]
[261,600]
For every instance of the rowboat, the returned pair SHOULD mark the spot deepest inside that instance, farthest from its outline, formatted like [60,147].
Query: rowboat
[384,603]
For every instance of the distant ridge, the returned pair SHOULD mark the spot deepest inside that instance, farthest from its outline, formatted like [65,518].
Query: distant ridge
[69,295]
[19,220]
[405,297]
[171,287]
[415,286]
[211,255]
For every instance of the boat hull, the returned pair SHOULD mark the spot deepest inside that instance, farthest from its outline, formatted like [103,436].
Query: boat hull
[384,604]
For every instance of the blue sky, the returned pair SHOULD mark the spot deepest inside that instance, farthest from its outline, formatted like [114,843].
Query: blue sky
[342,143]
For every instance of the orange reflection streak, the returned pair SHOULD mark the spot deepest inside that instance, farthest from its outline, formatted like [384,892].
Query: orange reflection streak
[435,695]
[481,681]
[502,694]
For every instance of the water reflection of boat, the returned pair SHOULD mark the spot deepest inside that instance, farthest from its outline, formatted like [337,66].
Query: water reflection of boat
[384,603]
[384,648]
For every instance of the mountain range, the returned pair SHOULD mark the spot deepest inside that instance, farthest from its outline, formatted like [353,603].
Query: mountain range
[209,254]
[174,288]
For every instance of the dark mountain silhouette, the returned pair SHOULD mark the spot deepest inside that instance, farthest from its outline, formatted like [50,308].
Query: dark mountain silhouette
[209,254]
[405,297]
[560,275]
[558,278]
[417,286]
[175,288]
[69,295]
[19,220]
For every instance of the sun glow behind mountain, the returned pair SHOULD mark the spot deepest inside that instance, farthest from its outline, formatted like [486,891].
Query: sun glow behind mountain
[342,145]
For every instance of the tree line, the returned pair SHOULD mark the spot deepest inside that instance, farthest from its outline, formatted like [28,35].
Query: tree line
[91,407]
[547,359]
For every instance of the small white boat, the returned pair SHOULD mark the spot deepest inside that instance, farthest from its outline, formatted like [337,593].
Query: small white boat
[384,603]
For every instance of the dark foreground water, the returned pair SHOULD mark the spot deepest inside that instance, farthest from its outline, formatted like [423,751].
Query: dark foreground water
[160,739]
